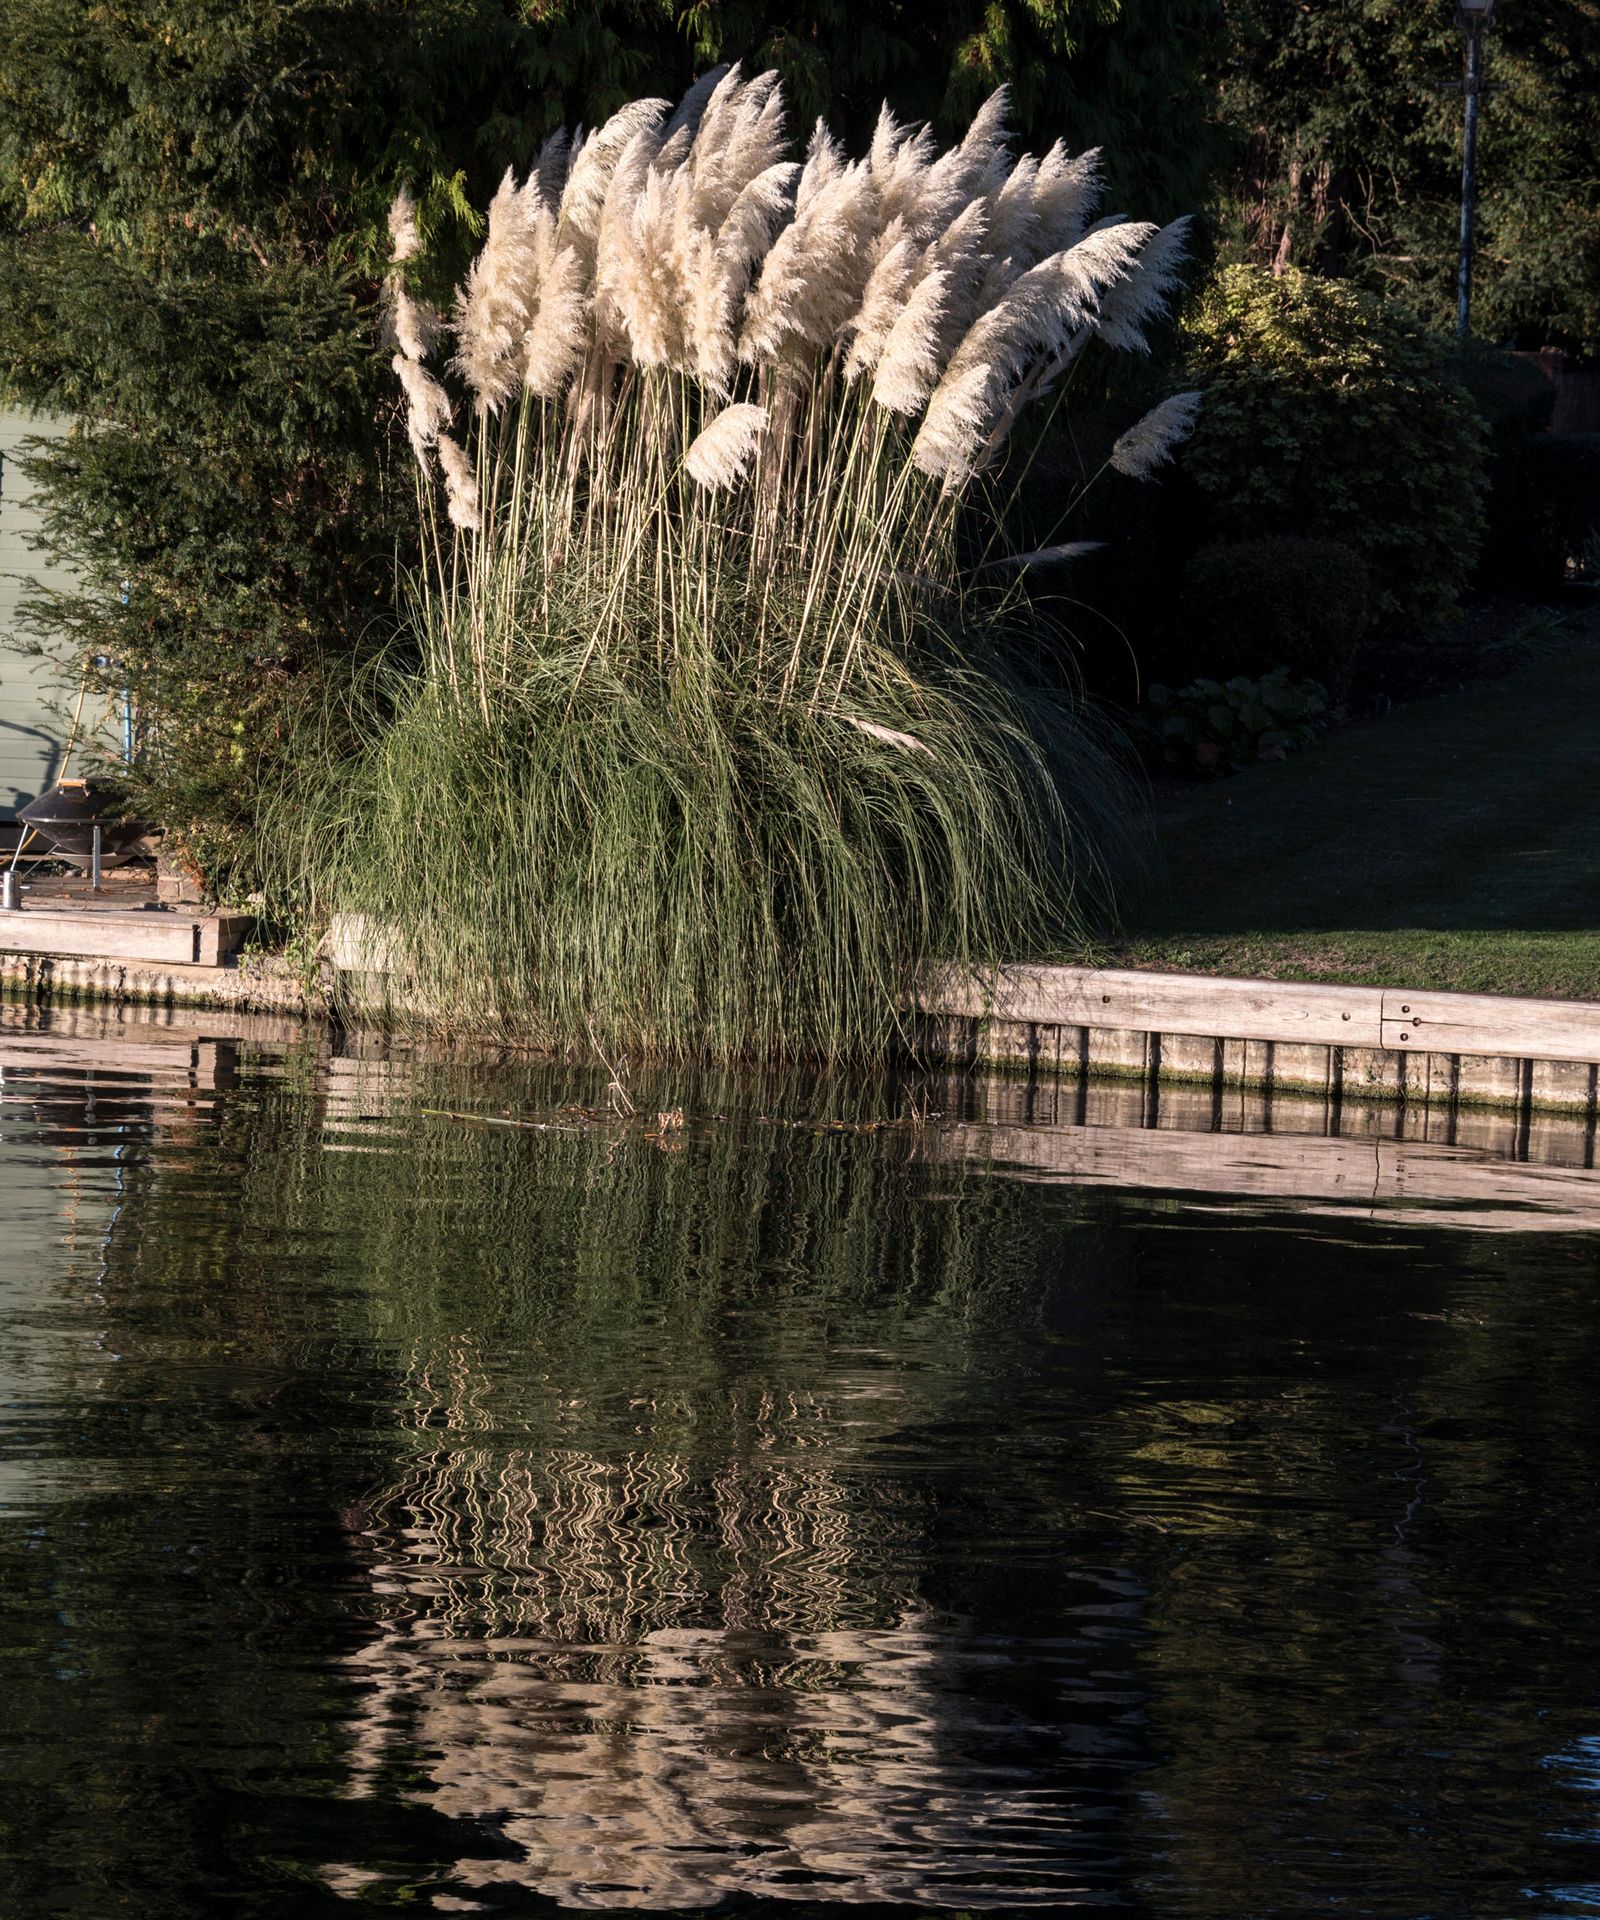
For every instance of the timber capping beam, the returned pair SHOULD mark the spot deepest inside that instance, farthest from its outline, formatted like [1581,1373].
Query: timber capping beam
[130,934]
[1381,1041]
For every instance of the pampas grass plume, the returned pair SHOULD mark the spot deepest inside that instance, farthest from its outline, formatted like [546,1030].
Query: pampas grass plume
[721,452]
[890,736]
[427,404]
[461,486]
[1128,307]
[910,363]
[405,238]
[1149,442]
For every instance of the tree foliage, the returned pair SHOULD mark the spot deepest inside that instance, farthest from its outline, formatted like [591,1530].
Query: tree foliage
[1349,116]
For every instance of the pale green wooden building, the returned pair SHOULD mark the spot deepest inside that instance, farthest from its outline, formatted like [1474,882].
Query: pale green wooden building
[32,733]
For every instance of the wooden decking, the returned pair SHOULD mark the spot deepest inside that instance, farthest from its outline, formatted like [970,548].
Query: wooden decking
[61,916]
[170,936]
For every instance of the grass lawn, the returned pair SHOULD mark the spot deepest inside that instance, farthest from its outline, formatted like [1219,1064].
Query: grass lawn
[1455,843]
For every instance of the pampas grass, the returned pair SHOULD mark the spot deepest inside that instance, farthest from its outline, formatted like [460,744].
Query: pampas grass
[713,743]
[1151,442]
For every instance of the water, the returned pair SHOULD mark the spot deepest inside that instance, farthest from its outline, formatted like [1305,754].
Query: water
[794,1508]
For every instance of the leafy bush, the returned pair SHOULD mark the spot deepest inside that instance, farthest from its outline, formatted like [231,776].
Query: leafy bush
[1216,726]
[1327,413]
[1252,605]
[1547,510]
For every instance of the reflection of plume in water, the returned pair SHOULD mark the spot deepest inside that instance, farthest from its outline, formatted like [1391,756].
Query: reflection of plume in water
[667,1679]
[501,1535]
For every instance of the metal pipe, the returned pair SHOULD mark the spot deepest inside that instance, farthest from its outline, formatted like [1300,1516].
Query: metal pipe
[94,860]
[10,891]
[1472,26]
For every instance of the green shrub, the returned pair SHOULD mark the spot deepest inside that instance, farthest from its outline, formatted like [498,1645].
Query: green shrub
[1215,727]
[1249,606]
[1328,413]
[1546,510]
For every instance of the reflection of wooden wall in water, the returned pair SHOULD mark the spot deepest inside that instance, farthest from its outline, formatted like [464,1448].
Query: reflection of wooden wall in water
[668,1678]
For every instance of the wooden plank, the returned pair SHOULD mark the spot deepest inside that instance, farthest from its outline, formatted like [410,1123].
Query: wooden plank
[1342,1016]
[114,933]
[1488,1023]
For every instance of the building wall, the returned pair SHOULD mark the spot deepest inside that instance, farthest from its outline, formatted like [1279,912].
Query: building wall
[32,735]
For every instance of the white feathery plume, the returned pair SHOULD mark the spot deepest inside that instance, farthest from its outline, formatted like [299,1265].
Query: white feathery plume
[890,736]
[405,237]
[717,131]
[999,276]
[824,162]
[673,151]
[959,419]
[1036,321]
[583,197]
[759,139]
[911,353]
[1129,306]
[718,269]
[686,116]
[427,404]
[559,335]
[899,161]
[415,323]
[460,485]
[721,452]
[657,304]
[976,167]
[1064,196]
[888,137]
[740,136]
[549,173]
[1149,442]
[984,148]
[1105,256]
[494,303]
[882,301]
[1011,210]
[961,254]
[812,279]
[628,307]
[1043,208]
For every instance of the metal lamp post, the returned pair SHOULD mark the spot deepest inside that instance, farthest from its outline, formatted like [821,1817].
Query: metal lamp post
[1472,16]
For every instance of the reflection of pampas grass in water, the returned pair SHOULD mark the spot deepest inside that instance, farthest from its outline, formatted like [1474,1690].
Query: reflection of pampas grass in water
[667,1679]
[724,410]
[647,1553]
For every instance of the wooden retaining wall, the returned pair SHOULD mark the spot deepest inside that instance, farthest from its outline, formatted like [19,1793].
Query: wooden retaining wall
[1345,1042]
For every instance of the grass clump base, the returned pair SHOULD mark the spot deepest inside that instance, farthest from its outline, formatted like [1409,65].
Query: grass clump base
[678,866]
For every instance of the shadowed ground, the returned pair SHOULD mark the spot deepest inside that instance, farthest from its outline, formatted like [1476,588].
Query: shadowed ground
[1455,843]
